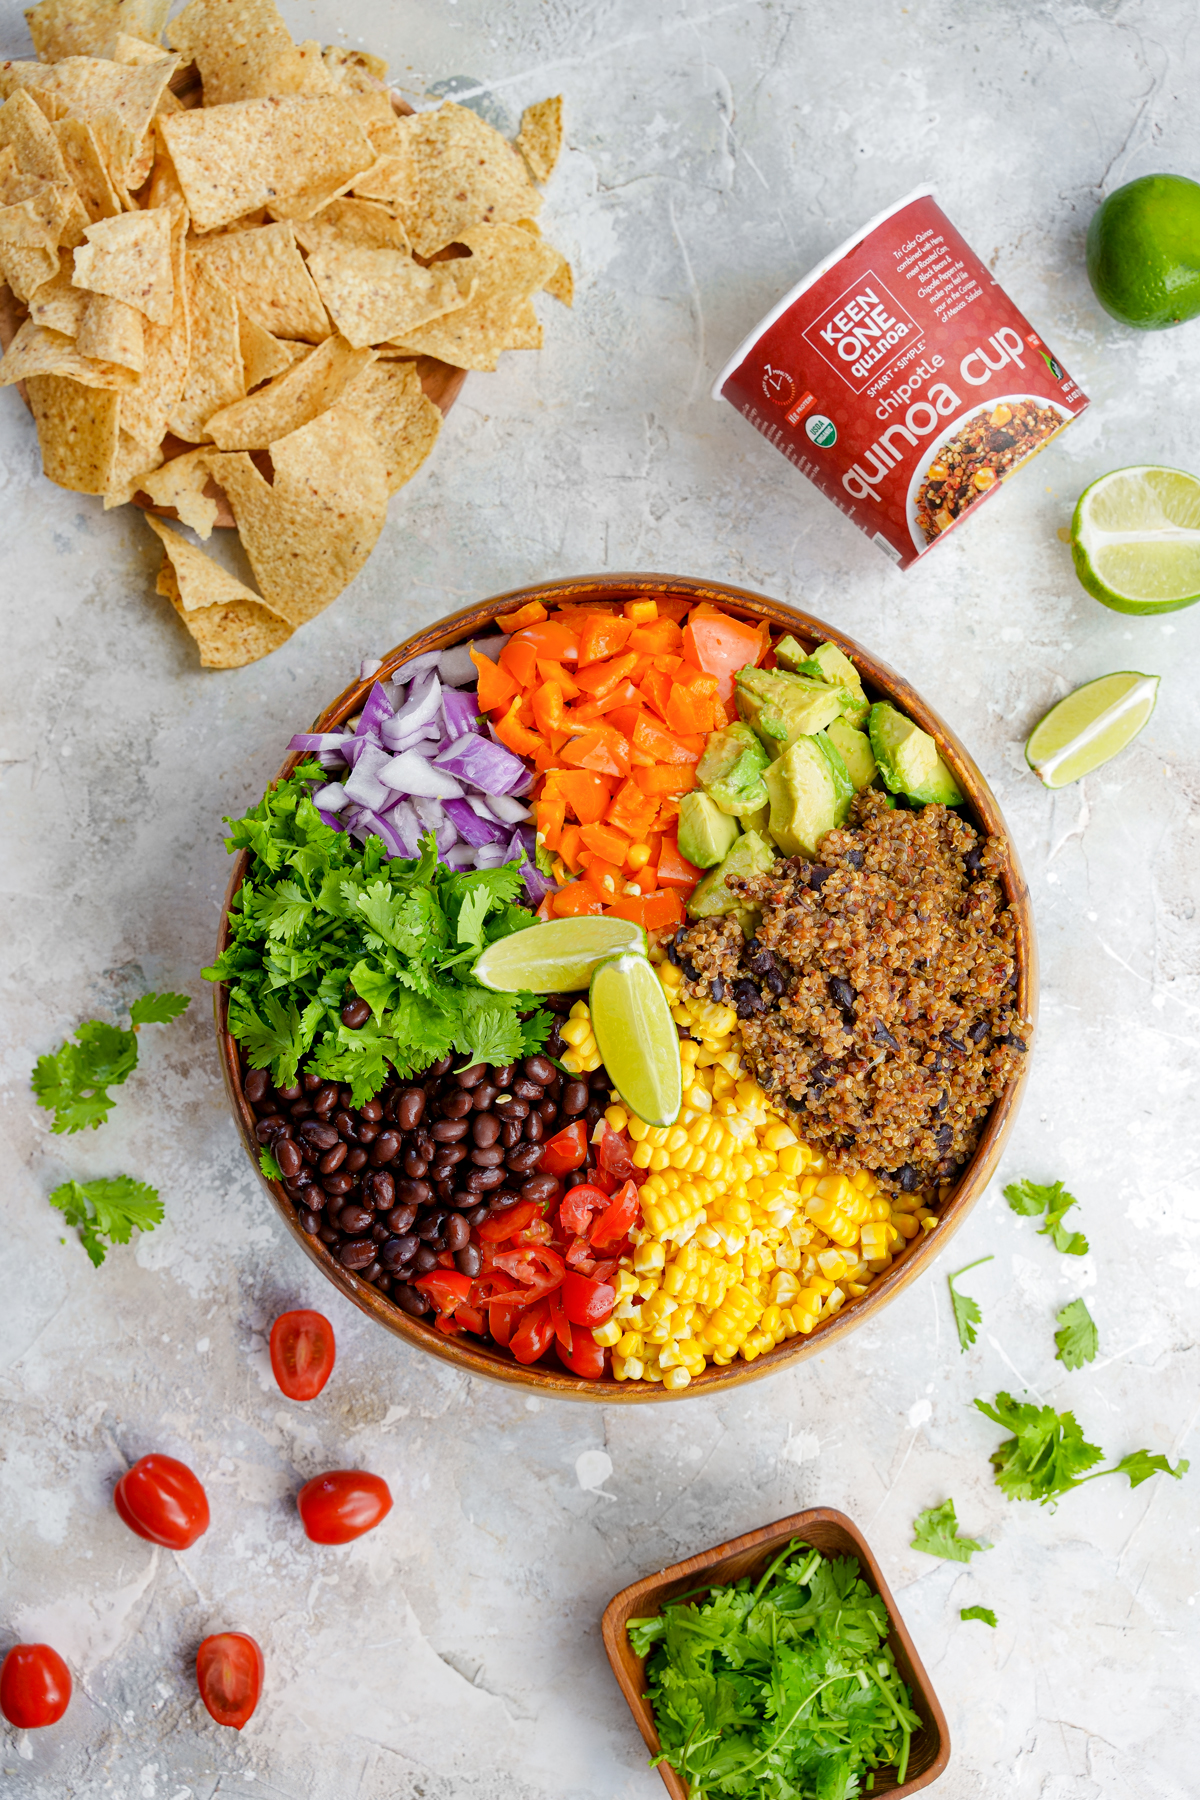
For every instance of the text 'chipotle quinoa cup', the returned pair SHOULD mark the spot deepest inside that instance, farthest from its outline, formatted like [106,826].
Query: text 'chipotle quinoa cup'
[901,379]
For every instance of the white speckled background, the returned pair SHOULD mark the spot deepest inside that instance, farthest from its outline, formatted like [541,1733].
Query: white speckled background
[715,151]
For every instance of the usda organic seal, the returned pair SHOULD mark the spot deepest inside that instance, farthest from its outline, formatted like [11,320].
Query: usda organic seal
[821,430]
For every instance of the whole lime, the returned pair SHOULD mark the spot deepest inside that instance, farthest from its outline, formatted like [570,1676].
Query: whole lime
[1143,252]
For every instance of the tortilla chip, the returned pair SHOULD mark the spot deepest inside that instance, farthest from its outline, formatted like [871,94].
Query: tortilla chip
[117,101]
[37,351]
[164,182]
[110,331]
[467,175]
[144,409]
[540,137]
[130,258]
[26,270]
[230,624]
[309,535]
[263,357]
[244,51]
[77,431]
[267,273]
[181,483]
[376,294]
[51,106]
[85,167]
[37,223]
[25,127]
[310,387]
[389,399]
[524,329]
[509,265]
[131,468]
[356,70]
[59,304]
[61,28]
[215,377]
[562,283]
[135,53]
[291,155]
[353,224]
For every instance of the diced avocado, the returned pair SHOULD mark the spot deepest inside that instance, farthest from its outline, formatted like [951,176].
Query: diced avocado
[806,796]
[908,758]
[749,918]
[843,787]
[758,819]
[790,655]
[706,834]
[854,748]
[783,707]
[750,855]
[730,771]
[828,663]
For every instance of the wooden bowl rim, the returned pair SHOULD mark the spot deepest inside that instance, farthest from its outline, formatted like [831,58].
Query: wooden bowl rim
[649,1594]
[476,1360]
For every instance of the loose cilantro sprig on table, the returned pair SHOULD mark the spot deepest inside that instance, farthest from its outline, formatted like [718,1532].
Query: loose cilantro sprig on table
[1047,1454]
[966,1311]
[73,1083]
[321,916]
[1077,1337]
[108,1209]
[784,1688]
[984,1614]
[1031,1200]
[936,1532]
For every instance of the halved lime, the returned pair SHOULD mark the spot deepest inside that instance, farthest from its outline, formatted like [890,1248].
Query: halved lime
[1090,726]
[1135,539]
[557,956]
[637,1038]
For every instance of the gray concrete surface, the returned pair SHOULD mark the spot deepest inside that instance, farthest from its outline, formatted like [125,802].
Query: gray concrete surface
[714,151]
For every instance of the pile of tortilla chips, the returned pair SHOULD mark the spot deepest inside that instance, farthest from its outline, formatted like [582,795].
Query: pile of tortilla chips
[234,263]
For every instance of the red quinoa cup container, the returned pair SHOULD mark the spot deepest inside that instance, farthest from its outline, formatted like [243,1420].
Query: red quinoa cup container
[901,379]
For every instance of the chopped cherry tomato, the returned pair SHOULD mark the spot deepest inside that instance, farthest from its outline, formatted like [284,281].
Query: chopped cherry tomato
[505,1224]
[585,1357]
[163,1502]
[445,1287]
[535,1334]
[229,1674]
[340,1506]
[586,1301]
[575,1213]
[562,1325]
[471,1317]
[535,1266]
[612,1154]
[35,1686]
[567,1150]
[302,1353]
[613,1224]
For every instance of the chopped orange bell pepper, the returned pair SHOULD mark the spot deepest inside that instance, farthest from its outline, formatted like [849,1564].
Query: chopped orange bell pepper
[577,898]
[674,870]
[652,740]
[548,708]
[602,635]
[586,794]
[606,841]
[640,611]
[624,695]
[545,911]
[496,685]
[519,738]
[667,778]
[656,690]
[568,847]
[653,640]
[625,718]
[529,614]
[690,706]
[721,646]
[519,658]
[553,639]
[551,816]
[603,750]
[603,878]
[633,810]
[549,670]
[654,912]
[601,678]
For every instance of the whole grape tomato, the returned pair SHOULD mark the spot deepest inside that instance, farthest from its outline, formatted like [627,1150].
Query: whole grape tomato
[163,1502]
[342,1505]
[35,1686]
[229,1674]
[302,1353]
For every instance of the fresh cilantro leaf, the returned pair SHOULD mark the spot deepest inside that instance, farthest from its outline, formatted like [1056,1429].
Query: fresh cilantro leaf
[1140,1465]
[1046,1454]
[74,1081]
[108,1209]
[471,914]
[984,1614]
[374,985]
[1030,1200]
[269,1166]
[936,1533]
[158,1009]
[966,1311]
[1077,1340]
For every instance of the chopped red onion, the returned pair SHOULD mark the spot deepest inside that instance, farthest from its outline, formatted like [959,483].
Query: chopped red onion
[460,856]
[332,798]
[417,666]
[370,665]
[460,711]
[411,773]
[364,784]
[421,708]
[484,765]
[332,820]
[491,856]
[455,666]
[508,810]
[471,826]
[317,742]
[378,708]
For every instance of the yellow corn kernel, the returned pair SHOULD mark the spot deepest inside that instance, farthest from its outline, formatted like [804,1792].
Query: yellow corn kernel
[778,1137]
[608,1334]
[626,1283]
[929,1222]
[834,1303]
[855,1288]
[784,1288]
[791,1159]
[576,1031]
[668,974]
[634,1368]
[616,1118]
[676,1378]
[629,1344]
[641,1154]
[648,1257]
[697,1097]
[905,1224]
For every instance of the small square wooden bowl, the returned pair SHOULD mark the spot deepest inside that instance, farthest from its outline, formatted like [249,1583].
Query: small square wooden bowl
[834,1535]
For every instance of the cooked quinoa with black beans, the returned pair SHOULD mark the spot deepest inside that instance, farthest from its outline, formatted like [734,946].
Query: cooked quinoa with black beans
[981,453]
[878,995]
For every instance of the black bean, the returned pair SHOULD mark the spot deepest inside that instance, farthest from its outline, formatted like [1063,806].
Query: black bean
[592,1117]
[325,1102]
[410,1299]
[794,1105]
[468,1260]
[381,1186]
[556,1044]
[415,1165]
[385,1149]
[355,1014]
[478,1214]
[469,1078]
[332,1160]
[458,1232]
[329,1234]
[539,1188]
[448,1157]
[321,1137]
[456,1104]
[524,1089]
[410,1108]
[854,858]
[954,1043]
[357,1253]
[354,1219]
[488,1156]
[372,1111]
[449,1131]
[882,1035]
[270,1127]
[775,982]
[818,876]
[574,1097]
[287,1155]
[746,999]
[483,1096]
[425,1260]
[534,1130]
[400,1219]
[379,1231]
[943,1137]
[974,865]
[510,1134]
[341,1183]
[539,1068]
[908,1178]
[295,1090]
[512,1109]
[525,1159]
[976,1034]
[485,1130]
[356,1159]
[501,1201]
[368,1131]
[414,1193]
[843,994]
[479,1181]
[436,1070]
[394,1252]
[255,1085]
[302,1189]
[716,988]
[309,1221]
[689,968]
[502,1074]
[599,1079]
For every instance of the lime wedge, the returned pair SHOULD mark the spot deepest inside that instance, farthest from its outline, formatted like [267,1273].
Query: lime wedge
[1090,726]
[637,1038]
[1135,539]
[556,957]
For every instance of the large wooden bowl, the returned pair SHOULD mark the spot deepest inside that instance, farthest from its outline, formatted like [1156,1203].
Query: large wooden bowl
[834,1535]
[880,683]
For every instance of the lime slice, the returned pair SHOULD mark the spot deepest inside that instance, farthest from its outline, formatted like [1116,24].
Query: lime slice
[637,1038]
[1090,726]
[1135,538]
[556,957]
